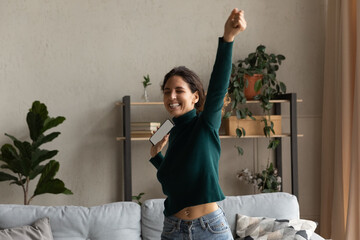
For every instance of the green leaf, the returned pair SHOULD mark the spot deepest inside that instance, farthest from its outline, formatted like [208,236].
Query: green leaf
[227,115]
[261,48]
[257,97]
[258,85]
[40,109]
[280,58]
[243,113]
[243,132]
[238,132]
[267,131]
[52,122]
[11,137]
[24,149]
[50,170]
[54,186]
[146,81]
[250,116]
[271,167]
[36,171]
[268,106]
[240,150]
[283,87]
[47,183]
[246,83]
[238,114]
[273,144]
[39,156]
[36,119]
[35,124]
[7,177]
[24,156]
[272,76]
[45,139]
[11,158]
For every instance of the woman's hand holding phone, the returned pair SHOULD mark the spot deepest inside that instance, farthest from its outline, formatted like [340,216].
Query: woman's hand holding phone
[160,137]
[159,146]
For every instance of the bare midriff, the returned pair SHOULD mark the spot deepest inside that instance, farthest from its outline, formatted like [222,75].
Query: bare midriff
[194,212]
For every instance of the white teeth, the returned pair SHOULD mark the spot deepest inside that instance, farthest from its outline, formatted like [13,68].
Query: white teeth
[174,105]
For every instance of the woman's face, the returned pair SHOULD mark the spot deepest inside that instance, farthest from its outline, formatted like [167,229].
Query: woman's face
[178,98]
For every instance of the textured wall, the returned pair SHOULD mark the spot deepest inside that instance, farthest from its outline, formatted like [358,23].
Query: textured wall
[80,57]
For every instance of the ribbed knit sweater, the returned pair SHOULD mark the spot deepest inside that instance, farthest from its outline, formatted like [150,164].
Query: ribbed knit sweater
[189,172]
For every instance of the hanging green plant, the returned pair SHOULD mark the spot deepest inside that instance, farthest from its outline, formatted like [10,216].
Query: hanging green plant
[263,67]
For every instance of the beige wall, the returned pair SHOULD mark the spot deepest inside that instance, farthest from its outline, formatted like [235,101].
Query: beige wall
[80,57]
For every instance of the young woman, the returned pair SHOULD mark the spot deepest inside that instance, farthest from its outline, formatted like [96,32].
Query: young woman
[189,171]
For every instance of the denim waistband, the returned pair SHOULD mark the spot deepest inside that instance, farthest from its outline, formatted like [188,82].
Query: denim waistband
[208,218]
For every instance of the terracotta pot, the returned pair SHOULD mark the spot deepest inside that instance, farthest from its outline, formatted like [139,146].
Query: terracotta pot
[249,91]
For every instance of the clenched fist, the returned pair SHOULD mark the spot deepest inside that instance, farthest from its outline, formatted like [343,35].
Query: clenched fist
[235,24]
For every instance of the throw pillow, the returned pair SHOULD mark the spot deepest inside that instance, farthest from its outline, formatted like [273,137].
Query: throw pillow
[261,228]
[39,230]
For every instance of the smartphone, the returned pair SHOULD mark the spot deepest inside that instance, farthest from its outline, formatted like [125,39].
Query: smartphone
[161,132]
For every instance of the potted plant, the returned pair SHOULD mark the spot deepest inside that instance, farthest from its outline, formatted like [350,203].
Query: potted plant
[254,78]
[256,74]
[24,159]
[146,83]
[266,181]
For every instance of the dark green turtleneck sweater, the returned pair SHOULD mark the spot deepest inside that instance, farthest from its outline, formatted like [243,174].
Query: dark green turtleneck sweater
[189,172]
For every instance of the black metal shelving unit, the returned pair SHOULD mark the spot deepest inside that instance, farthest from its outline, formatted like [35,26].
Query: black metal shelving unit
[289,97]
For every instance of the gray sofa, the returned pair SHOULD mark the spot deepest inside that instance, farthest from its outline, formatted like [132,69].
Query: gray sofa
[129,221]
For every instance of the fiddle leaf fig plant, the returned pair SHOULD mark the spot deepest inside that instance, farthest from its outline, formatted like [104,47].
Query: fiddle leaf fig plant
[26,160]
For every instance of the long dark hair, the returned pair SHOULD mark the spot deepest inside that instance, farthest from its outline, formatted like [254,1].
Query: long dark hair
[192,79]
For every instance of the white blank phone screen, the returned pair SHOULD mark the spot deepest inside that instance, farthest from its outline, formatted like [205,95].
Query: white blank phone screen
[161,132]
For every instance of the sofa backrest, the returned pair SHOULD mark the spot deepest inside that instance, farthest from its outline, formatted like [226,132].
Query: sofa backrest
[120,220]
[275,205]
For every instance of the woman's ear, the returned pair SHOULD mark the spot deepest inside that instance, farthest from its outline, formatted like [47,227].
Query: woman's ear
[196,97]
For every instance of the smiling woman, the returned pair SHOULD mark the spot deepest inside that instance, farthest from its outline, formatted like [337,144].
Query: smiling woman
[189,172]
[182,91]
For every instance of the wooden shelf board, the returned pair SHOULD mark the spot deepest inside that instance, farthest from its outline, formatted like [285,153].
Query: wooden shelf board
[140,103]
[261,136]
[221,137]
[161,103]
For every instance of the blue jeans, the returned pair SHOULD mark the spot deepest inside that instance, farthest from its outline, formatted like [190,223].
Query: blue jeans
[212,226]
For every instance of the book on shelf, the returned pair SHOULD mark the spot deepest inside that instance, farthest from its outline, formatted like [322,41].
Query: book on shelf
[141,133]
[151,126]
[146,124]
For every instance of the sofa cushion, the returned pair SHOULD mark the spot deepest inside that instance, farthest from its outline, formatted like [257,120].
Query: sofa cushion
[120,220]
[38,230]
[271,228]
[277,205]
[152,218]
